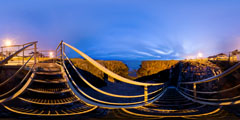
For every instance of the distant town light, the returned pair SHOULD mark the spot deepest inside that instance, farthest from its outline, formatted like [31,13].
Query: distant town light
[200,55]
[189,57]
[51,54]
[8,42]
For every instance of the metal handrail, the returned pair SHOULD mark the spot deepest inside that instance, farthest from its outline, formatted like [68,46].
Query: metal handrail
[212,92]
[17,52]
[105,103]
[215,100]
[101,91]
[14,75]
[209,103]
[59,44]
[223,74]
[108,72]
[216,77]
[20,82]
[22,89]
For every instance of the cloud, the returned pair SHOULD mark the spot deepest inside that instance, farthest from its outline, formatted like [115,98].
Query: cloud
[161,52]
[146,54]
[143,53]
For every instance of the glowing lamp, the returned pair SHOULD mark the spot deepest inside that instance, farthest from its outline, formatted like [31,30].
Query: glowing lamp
[51,54]
[200,55]
[8,43]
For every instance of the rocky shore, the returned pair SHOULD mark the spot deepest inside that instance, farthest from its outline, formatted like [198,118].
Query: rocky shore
[117,67]
[152,67]
[198,70]
[158,70]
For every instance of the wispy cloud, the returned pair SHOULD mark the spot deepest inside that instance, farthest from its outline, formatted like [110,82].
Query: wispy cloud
[161,52]
[146,54]
[143,53]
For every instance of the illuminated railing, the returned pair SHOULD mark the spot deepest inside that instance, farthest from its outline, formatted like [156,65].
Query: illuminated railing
[24,83]
[45,55]
[25,47]
[64,58]
[184,89]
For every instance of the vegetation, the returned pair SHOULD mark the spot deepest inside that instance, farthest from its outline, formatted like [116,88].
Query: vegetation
[153,67]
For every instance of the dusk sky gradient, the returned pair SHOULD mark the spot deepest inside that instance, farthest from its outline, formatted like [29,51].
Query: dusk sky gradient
[125,29]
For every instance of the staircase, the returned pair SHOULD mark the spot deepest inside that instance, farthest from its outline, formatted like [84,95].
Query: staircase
[48,95]
[173,104]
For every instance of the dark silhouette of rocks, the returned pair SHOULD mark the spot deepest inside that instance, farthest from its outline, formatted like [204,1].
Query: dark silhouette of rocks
[196,70]
[153,67]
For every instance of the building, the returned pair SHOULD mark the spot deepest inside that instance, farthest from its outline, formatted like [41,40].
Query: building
[235,55]
[220,56]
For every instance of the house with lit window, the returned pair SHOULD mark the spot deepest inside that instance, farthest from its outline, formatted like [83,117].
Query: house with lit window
[220,56]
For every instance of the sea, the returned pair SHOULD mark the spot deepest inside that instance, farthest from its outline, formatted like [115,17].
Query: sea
[133,66]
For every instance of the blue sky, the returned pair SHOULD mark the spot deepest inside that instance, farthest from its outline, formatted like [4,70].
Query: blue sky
[125,29]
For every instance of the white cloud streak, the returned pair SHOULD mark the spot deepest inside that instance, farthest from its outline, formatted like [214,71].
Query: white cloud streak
[146,54]
[161,52]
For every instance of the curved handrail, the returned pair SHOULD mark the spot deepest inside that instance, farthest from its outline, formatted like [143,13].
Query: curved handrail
[21,81]
[75,88]
[19,70]
[101,91]
[22,89]
[223,74]
[209,103]
[107,71]
[215,100]
[17,52]
[211,92]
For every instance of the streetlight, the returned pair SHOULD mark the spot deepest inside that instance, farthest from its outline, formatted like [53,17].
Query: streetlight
[200,55]
[8,42]
[51,54]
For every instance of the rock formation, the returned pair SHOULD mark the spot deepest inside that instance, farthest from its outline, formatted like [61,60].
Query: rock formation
[153,67]
[117,67]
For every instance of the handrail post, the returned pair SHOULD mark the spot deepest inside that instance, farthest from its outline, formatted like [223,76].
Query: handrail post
[195,90]
[35,53]
[61,52]
[146,94]
[23,56]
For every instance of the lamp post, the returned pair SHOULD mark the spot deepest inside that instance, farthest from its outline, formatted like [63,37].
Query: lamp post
[8,43]
[51,54]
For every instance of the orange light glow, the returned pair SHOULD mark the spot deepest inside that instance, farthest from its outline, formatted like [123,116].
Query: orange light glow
[8,42]
[200,55]
[51,54]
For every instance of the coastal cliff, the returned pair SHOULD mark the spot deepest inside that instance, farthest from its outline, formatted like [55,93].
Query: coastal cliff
[156,71]
[198,70]
[153,67]
[117,67]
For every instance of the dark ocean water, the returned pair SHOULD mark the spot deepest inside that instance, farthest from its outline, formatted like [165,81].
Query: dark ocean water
[132,64]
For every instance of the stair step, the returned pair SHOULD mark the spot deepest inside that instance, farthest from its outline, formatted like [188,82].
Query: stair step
[50,91]
[51,81]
